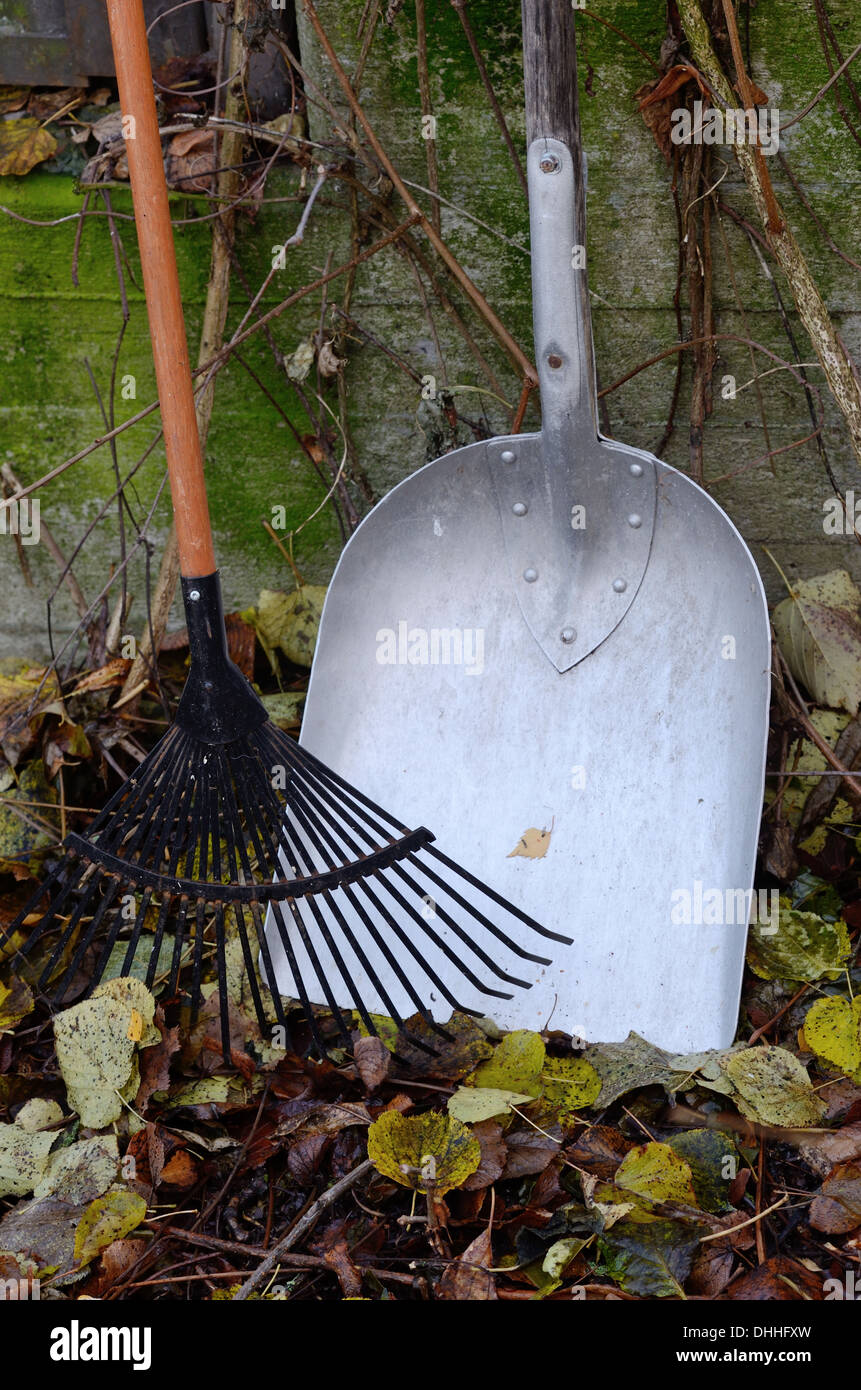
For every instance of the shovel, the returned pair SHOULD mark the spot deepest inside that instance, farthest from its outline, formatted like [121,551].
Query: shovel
[555,649]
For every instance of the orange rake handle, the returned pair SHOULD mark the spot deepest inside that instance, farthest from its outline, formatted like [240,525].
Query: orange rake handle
[161,286]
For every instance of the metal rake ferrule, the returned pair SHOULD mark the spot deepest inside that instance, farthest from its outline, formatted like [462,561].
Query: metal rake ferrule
[211,833]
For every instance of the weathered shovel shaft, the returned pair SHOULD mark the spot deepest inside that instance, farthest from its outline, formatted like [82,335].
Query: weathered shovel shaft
[161,284]
[557,216]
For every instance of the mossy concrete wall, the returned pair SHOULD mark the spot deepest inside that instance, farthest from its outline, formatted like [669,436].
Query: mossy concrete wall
[48,326]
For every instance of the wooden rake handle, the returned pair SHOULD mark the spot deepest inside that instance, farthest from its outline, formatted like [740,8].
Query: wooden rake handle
[161,286]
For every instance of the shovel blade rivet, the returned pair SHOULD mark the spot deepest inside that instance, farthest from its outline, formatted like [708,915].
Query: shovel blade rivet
[635,520]
[520,509]
[568,634]
[550,164]
[508,456]
[554,361]
[195,594]
[620,585]
[636,470]
[530,576]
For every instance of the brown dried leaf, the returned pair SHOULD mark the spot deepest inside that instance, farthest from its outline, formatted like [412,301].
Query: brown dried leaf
[493,1156]
[599,1150]
[190,163]
[468,1277]
[778,1278]
[838,1207]
[181,1170]
[529,1151]
[372,1059]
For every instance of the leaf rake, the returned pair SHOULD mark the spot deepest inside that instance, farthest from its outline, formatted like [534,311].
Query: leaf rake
[228,817]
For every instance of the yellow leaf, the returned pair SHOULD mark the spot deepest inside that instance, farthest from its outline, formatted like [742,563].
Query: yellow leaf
[15,1003]
[136,1024]
[516,1064]
[533,844]
[773,1088]
[107,1219]
[23,144]
[569,1084]
[832,1029]
[657,1174]
[416,1150]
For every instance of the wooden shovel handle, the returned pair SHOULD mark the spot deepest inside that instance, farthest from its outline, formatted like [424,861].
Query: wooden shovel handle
[550,72]
[161,285]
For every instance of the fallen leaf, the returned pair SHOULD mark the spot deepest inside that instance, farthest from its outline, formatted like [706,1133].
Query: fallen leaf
[713,1161]
[818,628]
[13,98]
[569,1084]
[105,1220]
[24,143]
[23,1159]
[533,844]
[475,1103]
[289,622]
[780,1279]
[372,1059]
[42,1230]
[284,708]
[516,1064]
[832,1030]
[81,1171]
[190,162]
[39,1114]
[413,1149]
[658,1174]
[804,948]
[529,1151]
[652,1259]
[16,1002]
[774,1088]
[493,1156]
[23,831]
[837,1208]
[599,1150]
[181,1169]
[628,1066]
[468,1278]
[825,1150]
[95,1053]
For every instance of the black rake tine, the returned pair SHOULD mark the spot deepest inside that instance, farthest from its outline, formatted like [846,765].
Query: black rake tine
[221,976]
[444,946]
[474,912]
[369,890]
[70,928]
[307,1007]
[498,898]
[67,885]
[88,937]
[322,979]
[400,974]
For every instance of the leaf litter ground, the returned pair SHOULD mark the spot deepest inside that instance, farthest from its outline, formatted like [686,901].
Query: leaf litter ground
[135,1165]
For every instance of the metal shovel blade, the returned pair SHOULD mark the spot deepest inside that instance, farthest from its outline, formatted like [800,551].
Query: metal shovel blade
[553,651]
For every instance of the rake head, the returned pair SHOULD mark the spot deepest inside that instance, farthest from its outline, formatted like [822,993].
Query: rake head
[228,820]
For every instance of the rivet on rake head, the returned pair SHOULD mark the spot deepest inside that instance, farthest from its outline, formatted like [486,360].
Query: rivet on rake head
[550,164]
[635,520]
[530,576]
[620,585]
[568,634]
[508,456]
[636,470]
[195,594]
[520,509]
[554,360]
